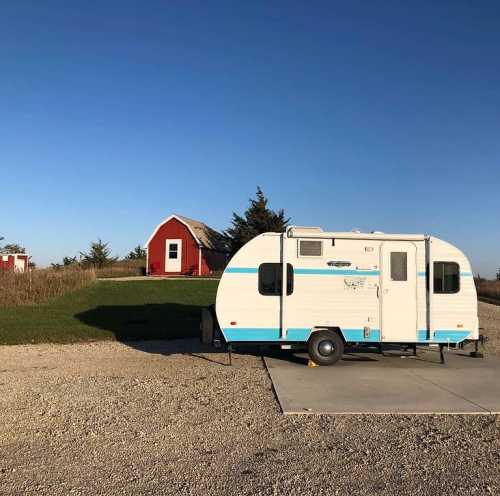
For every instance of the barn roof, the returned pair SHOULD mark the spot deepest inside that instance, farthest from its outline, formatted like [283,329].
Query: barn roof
[207,236]
[204,235]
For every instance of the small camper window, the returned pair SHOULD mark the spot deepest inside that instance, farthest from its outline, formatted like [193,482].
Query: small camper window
[310,248]
[446,277]
[399,266]
[270,279]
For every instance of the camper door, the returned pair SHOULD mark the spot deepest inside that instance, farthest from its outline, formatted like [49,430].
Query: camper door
[398,283]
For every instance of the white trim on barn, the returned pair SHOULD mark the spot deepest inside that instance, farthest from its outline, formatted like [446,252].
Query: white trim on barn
[199,260]
[173,216]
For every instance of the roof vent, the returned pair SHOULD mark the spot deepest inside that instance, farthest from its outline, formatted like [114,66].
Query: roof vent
[376,232]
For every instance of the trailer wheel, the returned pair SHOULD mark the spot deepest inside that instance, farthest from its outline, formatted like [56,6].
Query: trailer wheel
[325,347]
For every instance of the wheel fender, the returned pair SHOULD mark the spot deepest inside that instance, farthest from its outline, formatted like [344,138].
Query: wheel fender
[337,330]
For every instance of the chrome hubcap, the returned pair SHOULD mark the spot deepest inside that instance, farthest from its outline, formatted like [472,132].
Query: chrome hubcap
[326,348]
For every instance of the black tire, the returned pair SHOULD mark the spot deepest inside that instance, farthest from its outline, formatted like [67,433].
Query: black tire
[325,347]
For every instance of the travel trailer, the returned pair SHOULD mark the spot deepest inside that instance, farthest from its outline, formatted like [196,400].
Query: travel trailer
[344,288]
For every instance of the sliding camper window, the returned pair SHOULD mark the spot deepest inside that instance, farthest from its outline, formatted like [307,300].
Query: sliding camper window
[270,279]
[446,277]
[310,248]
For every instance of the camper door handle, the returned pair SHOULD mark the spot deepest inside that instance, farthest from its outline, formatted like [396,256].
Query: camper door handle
[378,291]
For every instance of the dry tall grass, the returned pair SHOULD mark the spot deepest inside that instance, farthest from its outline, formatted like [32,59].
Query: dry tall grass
[39,285]
[123,268]
[488,289]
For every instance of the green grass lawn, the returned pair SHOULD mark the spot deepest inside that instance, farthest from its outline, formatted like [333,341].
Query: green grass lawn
[112,310]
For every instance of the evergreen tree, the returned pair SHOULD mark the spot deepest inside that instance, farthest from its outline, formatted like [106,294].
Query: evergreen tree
[99,255]
[69,261]
[257,219]
[138,253]
[13,248]
[66,262]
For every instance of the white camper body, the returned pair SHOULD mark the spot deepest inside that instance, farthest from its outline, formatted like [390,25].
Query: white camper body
[366,287]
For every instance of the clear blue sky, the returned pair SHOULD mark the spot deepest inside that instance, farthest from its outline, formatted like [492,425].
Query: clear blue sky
[377,115]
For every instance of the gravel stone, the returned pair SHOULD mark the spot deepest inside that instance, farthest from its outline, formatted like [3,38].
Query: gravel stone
[121,419]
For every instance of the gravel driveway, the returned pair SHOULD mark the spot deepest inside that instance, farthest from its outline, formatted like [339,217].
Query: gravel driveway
[112,418]
[489,320]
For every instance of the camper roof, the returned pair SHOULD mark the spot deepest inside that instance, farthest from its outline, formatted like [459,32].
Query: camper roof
[317,232]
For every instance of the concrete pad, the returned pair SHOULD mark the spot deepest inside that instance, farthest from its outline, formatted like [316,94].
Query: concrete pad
[371,383]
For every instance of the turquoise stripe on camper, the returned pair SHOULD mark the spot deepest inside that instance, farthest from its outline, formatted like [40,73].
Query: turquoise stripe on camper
[303,271]
[241,270]
[358,335]
[325,272]
[248,334]
[335,272]
[442,336]
[453,336]
[300,334]
[251,334]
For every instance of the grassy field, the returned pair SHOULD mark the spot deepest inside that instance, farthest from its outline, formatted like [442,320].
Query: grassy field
[112,310]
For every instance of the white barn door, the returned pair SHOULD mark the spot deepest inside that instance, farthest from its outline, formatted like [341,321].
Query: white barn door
[398,291]
[19,264]
[173,255]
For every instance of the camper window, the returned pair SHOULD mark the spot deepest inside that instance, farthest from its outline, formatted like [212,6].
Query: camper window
[446,277]
[310,248]
[270,279]
[399,270]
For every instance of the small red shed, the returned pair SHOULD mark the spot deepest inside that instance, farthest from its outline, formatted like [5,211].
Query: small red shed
[19,262]
[183,246]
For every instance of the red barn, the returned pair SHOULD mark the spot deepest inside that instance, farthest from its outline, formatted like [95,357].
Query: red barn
[18,262]
[182,246]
